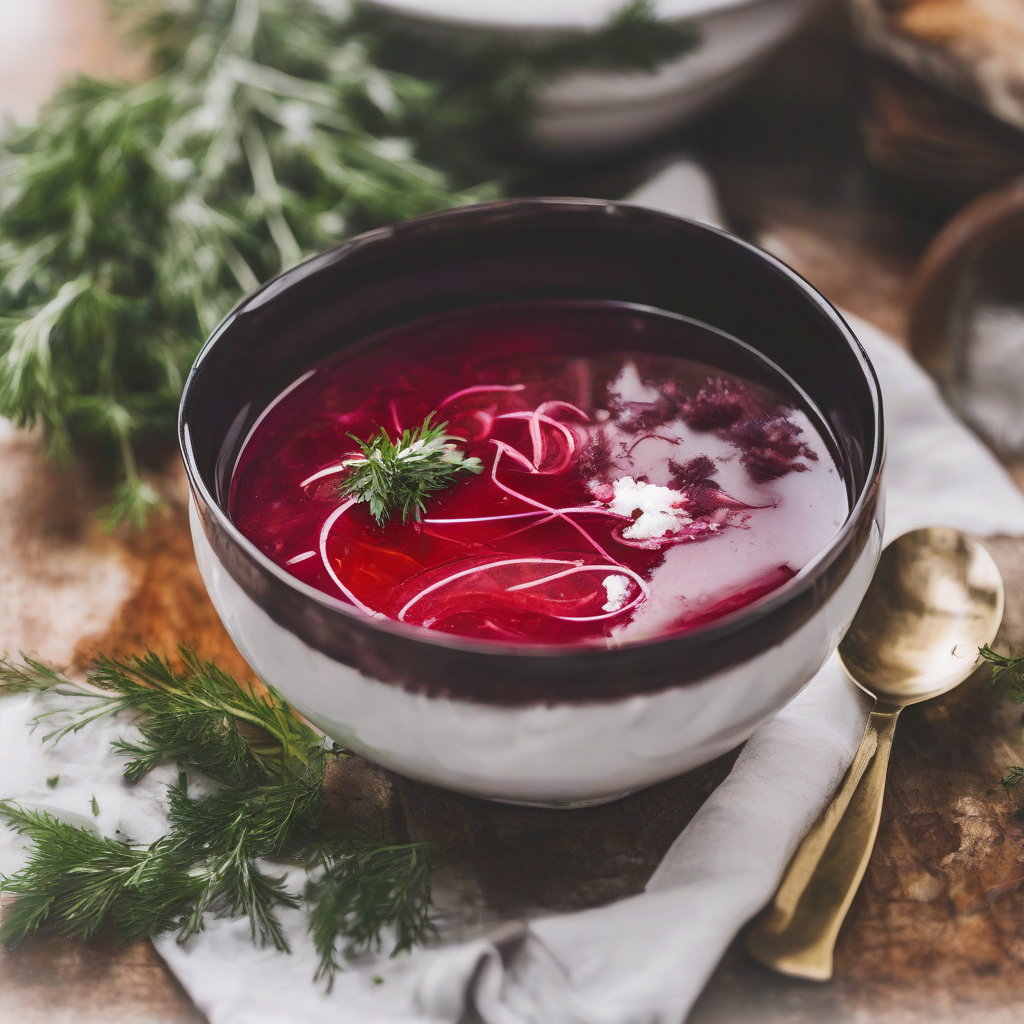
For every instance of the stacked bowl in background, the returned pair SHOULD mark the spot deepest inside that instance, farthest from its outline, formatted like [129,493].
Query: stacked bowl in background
[591,113]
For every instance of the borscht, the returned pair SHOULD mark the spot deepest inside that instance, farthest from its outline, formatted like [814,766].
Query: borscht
[550,472]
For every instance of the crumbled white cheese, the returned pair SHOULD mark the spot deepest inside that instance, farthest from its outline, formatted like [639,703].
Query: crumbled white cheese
[658,506]
[617,589]
[628,387]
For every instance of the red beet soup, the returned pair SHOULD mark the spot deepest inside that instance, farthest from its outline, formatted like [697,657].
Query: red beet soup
[631,474]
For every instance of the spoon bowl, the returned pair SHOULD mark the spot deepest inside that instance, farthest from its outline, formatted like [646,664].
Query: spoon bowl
[936,598]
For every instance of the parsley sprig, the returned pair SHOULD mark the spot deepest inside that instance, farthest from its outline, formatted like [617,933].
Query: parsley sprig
[399,476]
[269,768]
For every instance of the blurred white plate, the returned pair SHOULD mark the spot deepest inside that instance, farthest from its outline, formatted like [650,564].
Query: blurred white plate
[591,113]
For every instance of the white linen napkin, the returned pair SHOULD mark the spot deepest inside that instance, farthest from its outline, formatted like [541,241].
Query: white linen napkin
[642,960]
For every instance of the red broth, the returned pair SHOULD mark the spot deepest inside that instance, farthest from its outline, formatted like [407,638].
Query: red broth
[643,475]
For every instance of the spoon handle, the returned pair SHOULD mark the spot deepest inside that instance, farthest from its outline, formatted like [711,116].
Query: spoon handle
[796,932]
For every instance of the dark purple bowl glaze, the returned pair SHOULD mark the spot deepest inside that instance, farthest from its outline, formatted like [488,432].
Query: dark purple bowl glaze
[518,250]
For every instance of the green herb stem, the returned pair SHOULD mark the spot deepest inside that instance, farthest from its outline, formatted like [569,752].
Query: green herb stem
[364,884]
[399,476]
[1007,676]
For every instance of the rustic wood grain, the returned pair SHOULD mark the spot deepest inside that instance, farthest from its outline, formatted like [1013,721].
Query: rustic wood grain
[934,140]
[787,156]
[60,577]
[169,605]
[526,860]
[49,980]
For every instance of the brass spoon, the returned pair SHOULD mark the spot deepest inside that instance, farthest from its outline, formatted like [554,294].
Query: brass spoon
[935,598]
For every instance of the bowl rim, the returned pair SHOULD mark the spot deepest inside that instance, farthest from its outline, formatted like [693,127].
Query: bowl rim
[439,15]
[711,633]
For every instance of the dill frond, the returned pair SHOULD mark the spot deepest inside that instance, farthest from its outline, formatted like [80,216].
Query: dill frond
[202,718]
[367,885]
[1007,680]
[1007,677]
[33,676]
[198,717]
[399,476]
[228,831]
[77,880]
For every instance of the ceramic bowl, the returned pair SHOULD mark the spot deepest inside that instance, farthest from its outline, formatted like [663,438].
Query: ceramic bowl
[591,113]
[544,725]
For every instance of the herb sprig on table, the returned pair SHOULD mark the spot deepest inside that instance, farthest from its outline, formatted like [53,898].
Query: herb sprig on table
[1007,675]
[269,769]
[1006,680]
[132,217]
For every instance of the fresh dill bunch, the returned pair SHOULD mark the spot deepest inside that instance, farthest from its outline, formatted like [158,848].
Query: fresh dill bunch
[77,880]
[365,885]
[399,476]
[269,761]
[198,716]
[133,217]
[270,766]
[1007,676]
[264,818]
[35,677]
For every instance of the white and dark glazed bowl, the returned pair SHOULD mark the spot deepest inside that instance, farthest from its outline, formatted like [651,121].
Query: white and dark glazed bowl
[586,113]
[544,725]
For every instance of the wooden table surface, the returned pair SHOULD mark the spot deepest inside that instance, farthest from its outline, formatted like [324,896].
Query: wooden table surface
[936,933]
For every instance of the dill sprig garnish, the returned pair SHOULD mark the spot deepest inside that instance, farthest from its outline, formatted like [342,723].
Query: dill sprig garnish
[399,476]
[269,768]
[133,217]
